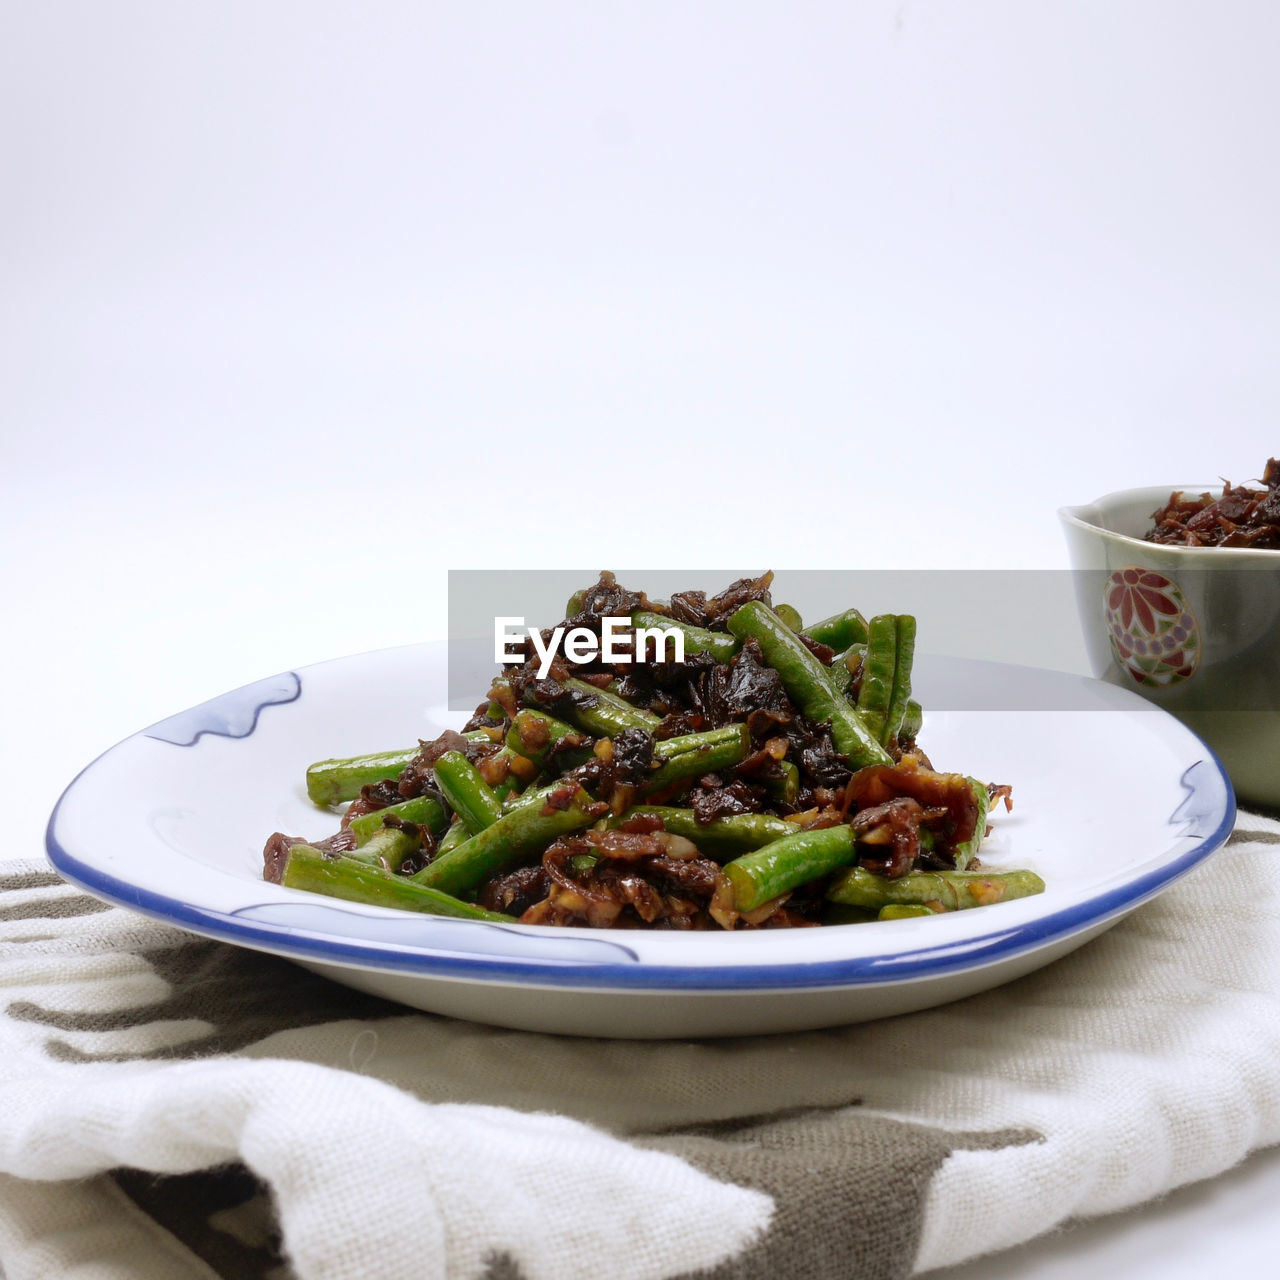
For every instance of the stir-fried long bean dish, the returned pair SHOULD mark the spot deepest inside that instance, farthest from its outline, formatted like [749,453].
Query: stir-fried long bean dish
[772,778]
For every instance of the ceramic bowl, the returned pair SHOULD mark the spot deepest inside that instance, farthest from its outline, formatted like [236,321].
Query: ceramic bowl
[1195,630]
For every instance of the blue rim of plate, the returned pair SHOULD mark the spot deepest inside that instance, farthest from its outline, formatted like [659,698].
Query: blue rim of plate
[1196,809]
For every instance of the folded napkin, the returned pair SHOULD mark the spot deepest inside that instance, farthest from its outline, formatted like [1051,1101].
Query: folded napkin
[172,1107]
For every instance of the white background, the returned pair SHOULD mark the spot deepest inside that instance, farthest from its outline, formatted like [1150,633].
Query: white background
[302,304]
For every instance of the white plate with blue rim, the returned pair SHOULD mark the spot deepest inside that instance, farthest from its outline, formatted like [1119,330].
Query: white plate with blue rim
[1114,800]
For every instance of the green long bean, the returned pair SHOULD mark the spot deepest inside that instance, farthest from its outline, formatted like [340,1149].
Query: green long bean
[912,721]
[953,890]
[878,665]
[688,756]
[721,752]
[967,850]
[455,836]
[603,714]
[791,616]
[840,676]
[840,630]
[316,872]
[904,911]
[788,863]
[519,835]
[426,811]
[387,848]
[333,781]
[905,637]
[719,644]
[885,691]
[785,787]
[807,683]
[468,794]
[669,748]
[734,834]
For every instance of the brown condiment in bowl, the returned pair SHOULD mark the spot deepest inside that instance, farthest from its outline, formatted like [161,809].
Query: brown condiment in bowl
[1237,517]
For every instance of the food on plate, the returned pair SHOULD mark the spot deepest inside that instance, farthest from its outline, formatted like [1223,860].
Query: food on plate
[1237,517]
[770,778]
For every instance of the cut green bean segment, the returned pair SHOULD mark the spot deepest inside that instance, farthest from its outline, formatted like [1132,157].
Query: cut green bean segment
[844,666]
[468,794]
[788,863]
[732,835]
[840,630]
[309,869]
[387,848]
[524,799]
[790,615]
[455,836]
[840,676]
[719,644]
[903,911]
[878,665]
[426,811]
[913,721]
[885,689]
[669,748]
[722,753]
[786,787]
[953,890]
[518,836]
[806,681]
[606,713]
[534,735]
[967,850]
[333,781]
[905,655]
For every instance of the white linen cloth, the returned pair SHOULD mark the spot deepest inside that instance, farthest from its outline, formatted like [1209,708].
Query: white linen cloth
[306,1131]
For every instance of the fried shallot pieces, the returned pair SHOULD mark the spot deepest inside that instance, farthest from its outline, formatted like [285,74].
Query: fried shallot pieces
[636,876]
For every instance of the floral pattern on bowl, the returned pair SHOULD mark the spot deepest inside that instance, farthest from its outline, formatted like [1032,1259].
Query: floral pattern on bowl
[1153,632]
